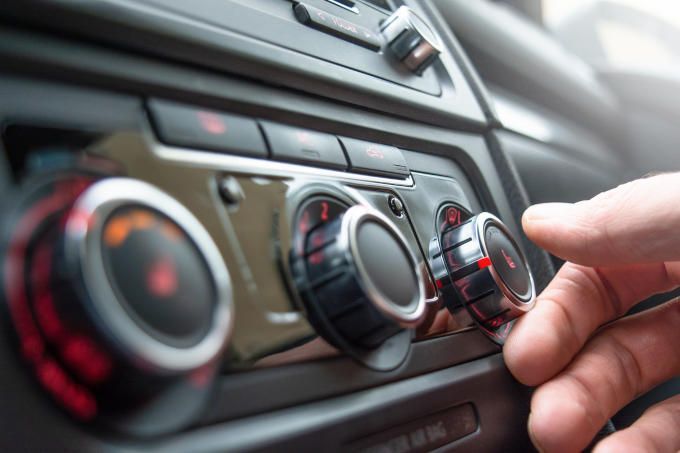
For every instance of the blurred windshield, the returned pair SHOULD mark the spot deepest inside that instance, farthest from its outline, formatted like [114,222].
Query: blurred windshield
[625,34]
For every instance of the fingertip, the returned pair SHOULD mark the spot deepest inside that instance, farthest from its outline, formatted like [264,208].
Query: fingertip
[541,222]
[557,422]
[531,352]
[545,211]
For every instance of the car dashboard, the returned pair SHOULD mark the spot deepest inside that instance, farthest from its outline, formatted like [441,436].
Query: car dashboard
[261,225]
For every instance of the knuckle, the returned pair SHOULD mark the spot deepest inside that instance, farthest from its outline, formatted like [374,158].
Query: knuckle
[564,323]
[599,294]
[628,366]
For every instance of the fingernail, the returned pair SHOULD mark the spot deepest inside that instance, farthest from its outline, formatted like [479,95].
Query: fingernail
[547,211]
[532,436]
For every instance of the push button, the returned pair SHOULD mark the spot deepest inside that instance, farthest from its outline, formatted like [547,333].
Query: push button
[181,125]
[374,159]
[334,25]
[292,144]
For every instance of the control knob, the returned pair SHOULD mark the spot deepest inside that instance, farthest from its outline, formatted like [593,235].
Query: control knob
[482,264]
[360,279]
[411,39]
[121,301]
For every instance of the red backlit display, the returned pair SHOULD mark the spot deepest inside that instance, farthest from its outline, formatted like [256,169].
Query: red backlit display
[211,123]
[314,213]
[451,216]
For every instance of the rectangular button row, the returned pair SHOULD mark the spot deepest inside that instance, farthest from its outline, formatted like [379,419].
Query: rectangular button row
[181,125]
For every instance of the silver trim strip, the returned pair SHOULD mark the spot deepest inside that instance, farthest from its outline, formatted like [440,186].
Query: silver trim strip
[263,167]
[83,253]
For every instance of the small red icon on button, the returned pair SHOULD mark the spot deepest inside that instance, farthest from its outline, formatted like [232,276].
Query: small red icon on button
[303,137]
[509,260]
[212,123]
[374,153]
[453,216]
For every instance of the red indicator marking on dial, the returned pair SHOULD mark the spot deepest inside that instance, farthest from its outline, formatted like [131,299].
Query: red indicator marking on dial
[496,322]
[161,279]
[304,222]
[211,123]
[317,240]
[47,316]
[72,396]
[32,347]
[484,262]
[509,260]
[324,211]
[53,378]
[87,358]
[316,258]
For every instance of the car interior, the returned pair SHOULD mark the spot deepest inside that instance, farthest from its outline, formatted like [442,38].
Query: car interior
[295,225]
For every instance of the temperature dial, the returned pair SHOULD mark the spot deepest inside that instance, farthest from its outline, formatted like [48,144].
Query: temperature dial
[483,265]
[120,299]
[359,279]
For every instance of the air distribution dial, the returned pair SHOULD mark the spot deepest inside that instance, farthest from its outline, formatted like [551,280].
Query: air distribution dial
[481,263]
[359,279]
[411,39]
[121,301]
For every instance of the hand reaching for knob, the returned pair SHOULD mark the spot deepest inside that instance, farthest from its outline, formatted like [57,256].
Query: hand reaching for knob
[622,247]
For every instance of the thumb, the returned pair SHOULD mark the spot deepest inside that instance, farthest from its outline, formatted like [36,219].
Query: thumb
[637,222]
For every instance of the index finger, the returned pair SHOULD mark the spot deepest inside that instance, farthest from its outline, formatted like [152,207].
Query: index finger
[634,223]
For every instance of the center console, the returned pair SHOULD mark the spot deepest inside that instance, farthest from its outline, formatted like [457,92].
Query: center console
[258,225]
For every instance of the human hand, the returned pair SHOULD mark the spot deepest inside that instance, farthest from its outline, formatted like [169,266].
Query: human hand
[622,247]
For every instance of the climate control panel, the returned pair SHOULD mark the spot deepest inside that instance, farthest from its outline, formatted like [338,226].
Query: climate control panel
[146,272]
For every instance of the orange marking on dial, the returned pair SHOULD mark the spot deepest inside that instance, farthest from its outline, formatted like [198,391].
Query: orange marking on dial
[116,231]
[141,220]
